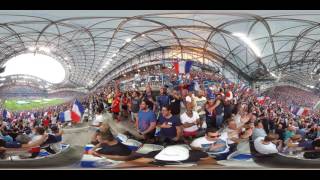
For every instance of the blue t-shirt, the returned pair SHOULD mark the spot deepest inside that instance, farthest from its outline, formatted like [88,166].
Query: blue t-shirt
[172,131]
[191,86]
[163,100]
[145,119]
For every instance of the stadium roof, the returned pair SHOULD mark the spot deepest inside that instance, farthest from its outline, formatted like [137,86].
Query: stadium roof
[89,44]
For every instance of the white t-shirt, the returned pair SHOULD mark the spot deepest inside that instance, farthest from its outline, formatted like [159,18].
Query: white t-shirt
[54,120]
[264,148]
[200,102]
[97,120]
[203,140]
[186,119]
[203,143]
[199,141]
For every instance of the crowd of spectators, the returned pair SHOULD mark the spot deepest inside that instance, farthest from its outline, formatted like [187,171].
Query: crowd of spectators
[293,96]
[214,119]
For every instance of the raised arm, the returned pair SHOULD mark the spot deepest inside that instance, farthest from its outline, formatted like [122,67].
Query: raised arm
[36,143]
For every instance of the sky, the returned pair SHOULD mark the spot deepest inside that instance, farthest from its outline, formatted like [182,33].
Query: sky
[42,66]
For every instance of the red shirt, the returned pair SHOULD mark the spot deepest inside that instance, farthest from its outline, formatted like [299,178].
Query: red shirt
[116,105]
[45,122]
[124,101]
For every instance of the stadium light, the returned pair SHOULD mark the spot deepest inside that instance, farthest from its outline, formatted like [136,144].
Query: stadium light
[310,86]
[248,41]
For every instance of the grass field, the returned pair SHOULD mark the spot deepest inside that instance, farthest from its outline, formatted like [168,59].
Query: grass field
[18,105]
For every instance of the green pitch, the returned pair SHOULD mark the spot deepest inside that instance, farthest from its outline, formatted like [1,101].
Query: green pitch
[18,105]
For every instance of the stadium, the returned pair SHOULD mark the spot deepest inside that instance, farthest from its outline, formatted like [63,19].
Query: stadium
[159,89]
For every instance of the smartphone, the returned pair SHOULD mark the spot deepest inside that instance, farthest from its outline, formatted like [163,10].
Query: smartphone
[170,123]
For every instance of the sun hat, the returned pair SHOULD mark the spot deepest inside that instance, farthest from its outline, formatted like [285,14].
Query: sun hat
[173,153]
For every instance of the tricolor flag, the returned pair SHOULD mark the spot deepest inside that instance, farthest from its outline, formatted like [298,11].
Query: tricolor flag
[65,116]
[77,111]
[303,111]
[261,99]
[182,67]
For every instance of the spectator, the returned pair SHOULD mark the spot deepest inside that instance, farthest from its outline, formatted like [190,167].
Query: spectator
[210,112]
[200,101]
[135,105]
[98,119]
[115,107]
[258,131]
[218,108]
[170,127]
[280,132]
[313,154]
[190,122]
[110,148]
[175,101]
[212,142]
[163,99]
[268,144]
[289,133]
[146,122]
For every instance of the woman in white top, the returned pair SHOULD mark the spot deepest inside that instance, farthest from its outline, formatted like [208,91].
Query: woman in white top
[190,121]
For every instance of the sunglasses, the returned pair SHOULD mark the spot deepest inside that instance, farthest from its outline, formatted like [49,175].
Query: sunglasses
[214,136]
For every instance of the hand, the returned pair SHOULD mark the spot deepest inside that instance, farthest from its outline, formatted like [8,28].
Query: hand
[165,125]
[94,153]
[175,139]
[141,133]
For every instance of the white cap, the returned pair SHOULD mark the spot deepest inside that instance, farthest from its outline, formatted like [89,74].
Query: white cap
[173,153]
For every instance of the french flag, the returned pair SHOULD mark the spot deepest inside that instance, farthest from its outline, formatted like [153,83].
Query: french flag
[77,111]
[303,111]
[65,116]
[182,67]
[261,99]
